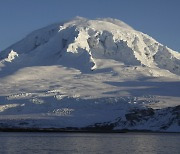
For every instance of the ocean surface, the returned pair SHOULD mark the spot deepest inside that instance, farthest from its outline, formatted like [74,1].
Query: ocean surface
[89,143]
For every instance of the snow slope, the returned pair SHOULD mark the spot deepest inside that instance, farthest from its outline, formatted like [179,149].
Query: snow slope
[82,72]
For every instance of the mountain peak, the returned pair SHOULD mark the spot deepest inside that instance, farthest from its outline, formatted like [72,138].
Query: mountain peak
[90,74]
[88,41]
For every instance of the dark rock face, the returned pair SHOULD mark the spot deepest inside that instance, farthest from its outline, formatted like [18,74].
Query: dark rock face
[137,115]
[144,119]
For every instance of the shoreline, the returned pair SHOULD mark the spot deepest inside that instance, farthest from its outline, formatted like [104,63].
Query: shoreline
[77,130]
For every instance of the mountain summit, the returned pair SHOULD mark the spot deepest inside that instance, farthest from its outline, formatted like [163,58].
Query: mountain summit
[82,72]
[81,43]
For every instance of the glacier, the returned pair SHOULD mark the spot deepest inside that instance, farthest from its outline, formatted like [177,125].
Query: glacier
[90,74]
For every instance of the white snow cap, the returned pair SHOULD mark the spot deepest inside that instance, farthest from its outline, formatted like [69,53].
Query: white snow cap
[84,41]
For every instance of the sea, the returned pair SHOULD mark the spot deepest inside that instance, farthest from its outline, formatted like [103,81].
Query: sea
[89,143]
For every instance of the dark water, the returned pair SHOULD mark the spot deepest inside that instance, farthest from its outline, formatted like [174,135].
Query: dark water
[85,143]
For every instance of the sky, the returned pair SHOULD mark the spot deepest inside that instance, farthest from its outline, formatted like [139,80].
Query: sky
[158,18]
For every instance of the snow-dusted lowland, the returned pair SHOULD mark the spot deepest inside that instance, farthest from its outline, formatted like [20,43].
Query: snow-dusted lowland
[94,74]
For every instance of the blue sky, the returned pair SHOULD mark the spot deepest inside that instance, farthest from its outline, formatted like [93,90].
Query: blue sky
[157,18]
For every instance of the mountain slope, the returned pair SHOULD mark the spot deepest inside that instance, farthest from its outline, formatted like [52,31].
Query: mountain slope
[82,72]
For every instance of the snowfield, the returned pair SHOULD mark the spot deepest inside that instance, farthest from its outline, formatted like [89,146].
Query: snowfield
[90,74]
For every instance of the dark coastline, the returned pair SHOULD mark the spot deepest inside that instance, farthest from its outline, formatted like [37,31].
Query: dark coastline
[60,130]
[77,130]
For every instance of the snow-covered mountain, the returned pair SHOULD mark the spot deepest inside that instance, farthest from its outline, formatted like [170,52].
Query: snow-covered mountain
[90,74]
